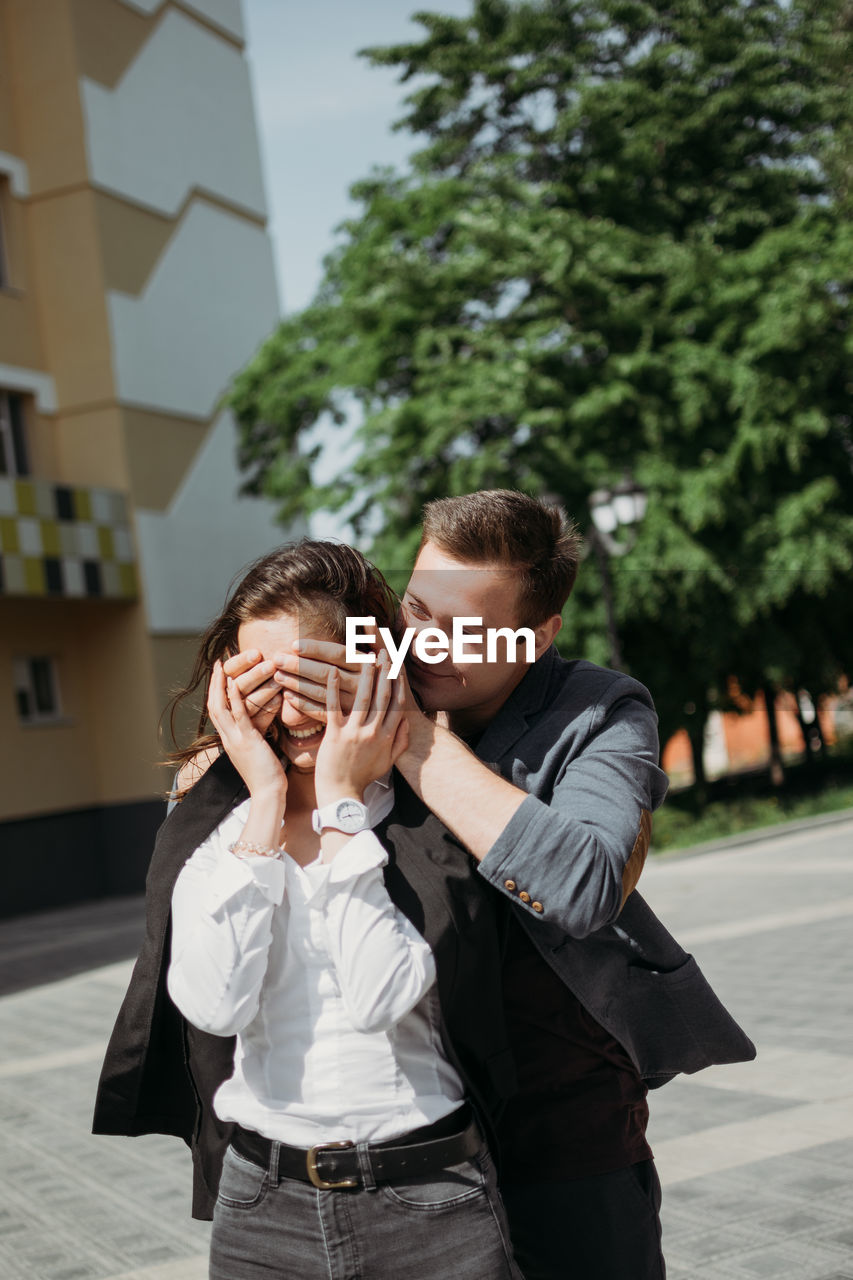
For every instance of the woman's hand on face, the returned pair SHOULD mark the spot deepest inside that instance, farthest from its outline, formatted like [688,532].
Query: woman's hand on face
[305,676]
[253,675]
[360,747]
[246,747]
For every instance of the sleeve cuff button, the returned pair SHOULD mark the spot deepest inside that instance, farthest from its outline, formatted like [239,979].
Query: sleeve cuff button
[509,884]
[537,906]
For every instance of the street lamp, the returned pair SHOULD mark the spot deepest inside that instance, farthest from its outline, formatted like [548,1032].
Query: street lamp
[623,506]
[619,508]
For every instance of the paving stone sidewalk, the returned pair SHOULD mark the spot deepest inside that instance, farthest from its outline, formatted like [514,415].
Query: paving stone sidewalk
[756,1159]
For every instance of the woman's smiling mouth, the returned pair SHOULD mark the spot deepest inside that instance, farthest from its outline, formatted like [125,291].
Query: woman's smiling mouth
[302,735]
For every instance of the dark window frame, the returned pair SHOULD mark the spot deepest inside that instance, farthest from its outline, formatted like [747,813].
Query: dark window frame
[14,447]
[36,688]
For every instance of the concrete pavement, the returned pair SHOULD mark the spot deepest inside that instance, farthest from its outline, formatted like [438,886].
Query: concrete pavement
[756,1159]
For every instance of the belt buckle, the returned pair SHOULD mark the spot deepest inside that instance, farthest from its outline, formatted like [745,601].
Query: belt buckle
[314,1173]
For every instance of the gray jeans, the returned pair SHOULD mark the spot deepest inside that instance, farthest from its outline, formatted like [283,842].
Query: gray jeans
[433,1227]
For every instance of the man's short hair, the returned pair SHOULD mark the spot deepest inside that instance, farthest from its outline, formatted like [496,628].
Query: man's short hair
[509,528]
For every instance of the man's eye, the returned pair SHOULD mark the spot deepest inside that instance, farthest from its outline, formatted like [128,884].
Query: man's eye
[416,610]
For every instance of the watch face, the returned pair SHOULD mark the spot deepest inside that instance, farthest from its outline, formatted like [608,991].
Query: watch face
[350,815]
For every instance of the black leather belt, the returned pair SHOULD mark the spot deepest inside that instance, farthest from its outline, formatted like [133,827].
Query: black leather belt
[334,1165]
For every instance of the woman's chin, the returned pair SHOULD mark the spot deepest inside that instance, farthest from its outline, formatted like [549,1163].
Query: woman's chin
[303,763]
[302,758]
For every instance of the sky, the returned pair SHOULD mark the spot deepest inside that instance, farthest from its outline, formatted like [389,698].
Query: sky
[325,120]
[324,117]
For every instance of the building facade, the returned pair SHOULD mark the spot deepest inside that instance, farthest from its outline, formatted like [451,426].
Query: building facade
[136,276]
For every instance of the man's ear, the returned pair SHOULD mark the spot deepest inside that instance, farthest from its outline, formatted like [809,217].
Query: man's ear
[545,632]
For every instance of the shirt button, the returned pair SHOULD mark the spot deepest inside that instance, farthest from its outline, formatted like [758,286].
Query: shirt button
[525,897]
[509,884]
[537,906]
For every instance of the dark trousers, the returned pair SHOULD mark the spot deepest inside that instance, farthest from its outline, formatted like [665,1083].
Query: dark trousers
[601,1228]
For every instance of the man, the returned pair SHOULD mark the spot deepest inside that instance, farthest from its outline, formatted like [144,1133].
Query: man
[547,771]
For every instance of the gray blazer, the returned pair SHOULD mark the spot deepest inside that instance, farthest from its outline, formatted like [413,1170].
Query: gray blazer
[583,742]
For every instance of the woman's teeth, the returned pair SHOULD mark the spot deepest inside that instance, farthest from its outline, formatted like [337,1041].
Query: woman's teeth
[299,734]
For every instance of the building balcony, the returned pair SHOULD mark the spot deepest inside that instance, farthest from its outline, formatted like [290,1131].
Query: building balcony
[65,542]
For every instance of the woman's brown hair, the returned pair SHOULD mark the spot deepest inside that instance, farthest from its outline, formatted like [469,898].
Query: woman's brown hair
[322,582]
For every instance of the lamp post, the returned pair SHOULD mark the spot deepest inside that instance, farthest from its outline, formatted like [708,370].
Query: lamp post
[621,507]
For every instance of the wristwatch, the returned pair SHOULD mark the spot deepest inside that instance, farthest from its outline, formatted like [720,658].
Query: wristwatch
[346,815]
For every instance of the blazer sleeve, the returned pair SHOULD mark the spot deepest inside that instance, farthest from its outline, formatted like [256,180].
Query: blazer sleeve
[571,859]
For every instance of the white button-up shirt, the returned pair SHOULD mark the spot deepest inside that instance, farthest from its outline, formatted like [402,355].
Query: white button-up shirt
[329,988]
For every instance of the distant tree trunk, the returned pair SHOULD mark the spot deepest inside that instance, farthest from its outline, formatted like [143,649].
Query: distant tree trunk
[615,648]
[696,734]
[818,732]
[777,773]
[810,729]
[805,729]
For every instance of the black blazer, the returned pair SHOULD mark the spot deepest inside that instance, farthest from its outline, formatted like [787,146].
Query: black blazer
[160,1073]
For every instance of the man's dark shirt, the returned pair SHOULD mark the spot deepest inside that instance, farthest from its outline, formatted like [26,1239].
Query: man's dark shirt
[581,1106]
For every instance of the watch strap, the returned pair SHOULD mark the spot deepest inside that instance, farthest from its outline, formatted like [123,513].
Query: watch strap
[328,817]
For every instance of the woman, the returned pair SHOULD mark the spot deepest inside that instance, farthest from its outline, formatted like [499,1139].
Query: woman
[351,1149]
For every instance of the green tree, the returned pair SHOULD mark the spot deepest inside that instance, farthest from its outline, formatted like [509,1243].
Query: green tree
[618,247]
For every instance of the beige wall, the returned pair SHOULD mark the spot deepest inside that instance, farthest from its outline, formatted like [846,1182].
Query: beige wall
[47,767]
[160,449]
[20,342]
[69,246]
[173,660]
[8,135]
[69,290]
[122,702]
[89,447]
[56,319]
[43,80]
[64,240]
[105,748]
[107,36]
[114,683]
[131,240]
[20,337]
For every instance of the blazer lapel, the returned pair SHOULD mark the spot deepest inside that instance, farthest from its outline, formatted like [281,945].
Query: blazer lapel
[513,718]
[143,1085]
[418,849]
[192,820]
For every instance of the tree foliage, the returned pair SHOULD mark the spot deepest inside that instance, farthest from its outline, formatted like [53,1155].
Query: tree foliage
[619,246]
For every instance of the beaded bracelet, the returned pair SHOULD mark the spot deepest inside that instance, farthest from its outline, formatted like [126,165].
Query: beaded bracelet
[245,849]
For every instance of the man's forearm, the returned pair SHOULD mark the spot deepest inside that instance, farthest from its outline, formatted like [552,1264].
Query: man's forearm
[474,803]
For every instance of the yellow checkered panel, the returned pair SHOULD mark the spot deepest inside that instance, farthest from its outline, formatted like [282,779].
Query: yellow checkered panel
[61,541]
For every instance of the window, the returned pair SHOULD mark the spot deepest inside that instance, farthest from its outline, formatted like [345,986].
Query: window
[36,690]
[14,455]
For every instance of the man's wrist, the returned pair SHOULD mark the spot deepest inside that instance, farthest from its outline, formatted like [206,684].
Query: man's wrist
[422,735]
